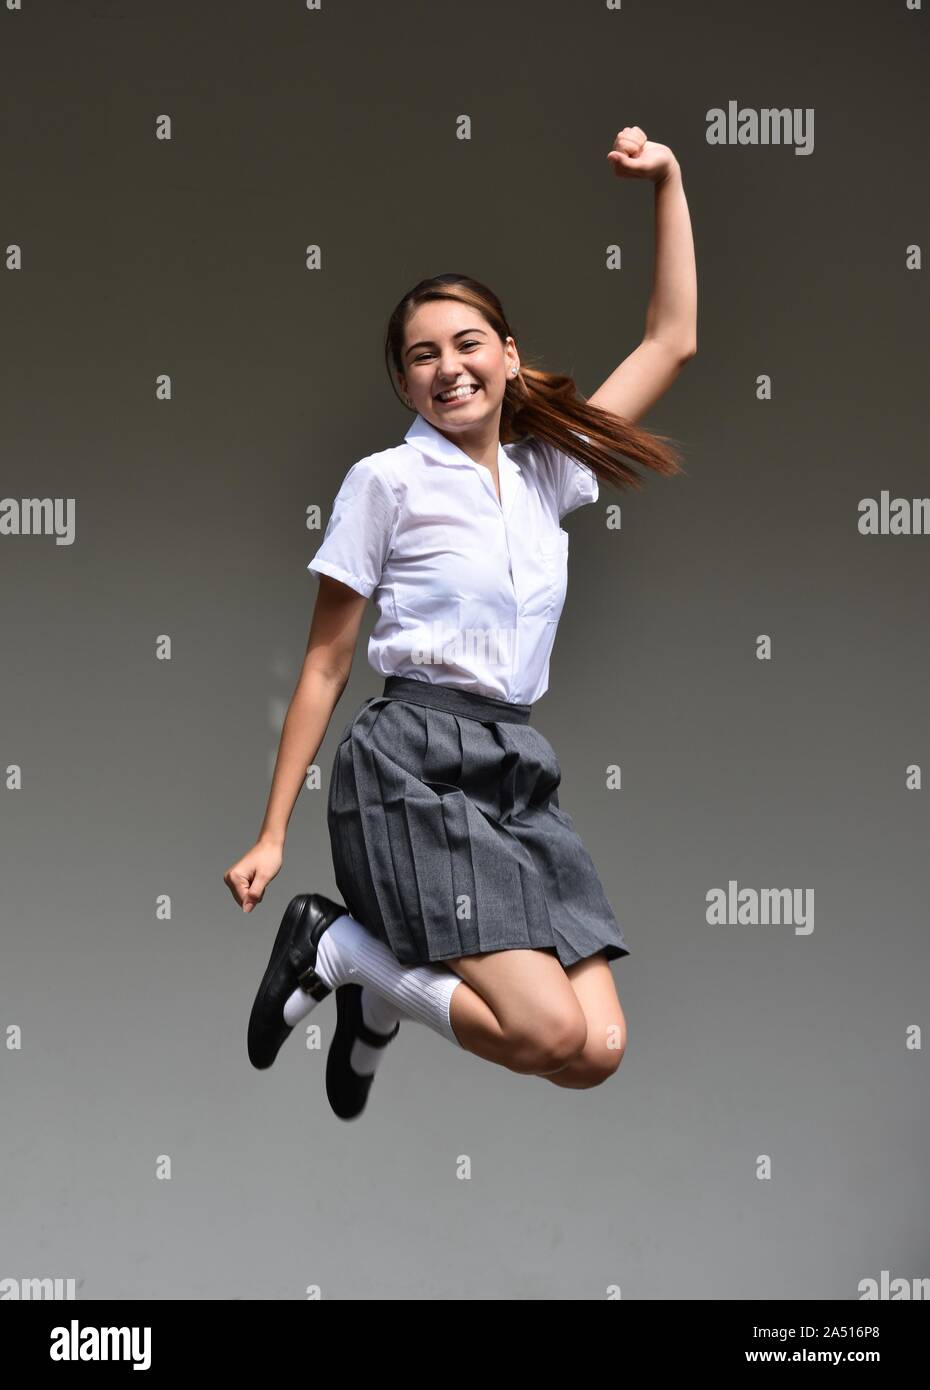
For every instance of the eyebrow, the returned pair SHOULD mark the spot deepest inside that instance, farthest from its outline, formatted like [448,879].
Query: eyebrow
[459,334]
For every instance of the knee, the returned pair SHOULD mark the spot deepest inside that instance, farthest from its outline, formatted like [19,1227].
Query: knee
[551,1040]
[600,1059]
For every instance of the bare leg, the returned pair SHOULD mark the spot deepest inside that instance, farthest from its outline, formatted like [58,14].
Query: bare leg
[594,987]
[518,1008]
[499,1013]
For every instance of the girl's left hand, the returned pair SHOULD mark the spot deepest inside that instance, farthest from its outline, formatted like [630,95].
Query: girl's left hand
[635,157]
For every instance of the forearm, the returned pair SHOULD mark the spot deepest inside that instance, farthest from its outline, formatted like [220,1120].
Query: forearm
[305,726]
[671,317]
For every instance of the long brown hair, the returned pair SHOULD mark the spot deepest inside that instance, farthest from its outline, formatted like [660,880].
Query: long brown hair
[543,404]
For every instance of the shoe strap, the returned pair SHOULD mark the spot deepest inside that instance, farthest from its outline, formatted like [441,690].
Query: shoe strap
[311,983]
[372,1038]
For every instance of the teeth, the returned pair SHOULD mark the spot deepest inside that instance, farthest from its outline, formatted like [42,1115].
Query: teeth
[459,391]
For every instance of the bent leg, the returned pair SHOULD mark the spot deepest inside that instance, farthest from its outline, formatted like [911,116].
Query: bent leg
[519,1010]
[594,987]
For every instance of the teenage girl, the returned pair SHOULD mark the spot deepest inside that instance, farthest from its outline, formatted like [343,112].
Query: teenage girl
[470,902]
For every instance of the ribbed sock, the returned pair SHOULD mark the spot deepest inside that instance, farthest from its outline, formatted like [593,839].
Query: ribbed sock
[350,954]
[379,1013]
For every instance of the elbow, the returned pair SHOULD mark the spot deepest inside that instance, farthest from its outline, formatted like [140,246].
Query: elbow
[674,349]
[327,673]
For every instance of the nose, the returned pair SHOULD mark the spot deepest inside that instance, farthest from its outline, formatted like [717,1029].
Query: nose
[450,368]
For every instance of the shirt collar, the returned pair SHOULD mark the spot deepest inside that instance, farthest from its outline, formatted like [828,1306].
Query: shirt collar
[428,440]
[425,438]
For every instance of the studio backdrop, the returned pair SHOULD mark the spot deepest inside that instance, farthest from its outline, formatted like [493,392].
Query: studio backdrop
[208,213]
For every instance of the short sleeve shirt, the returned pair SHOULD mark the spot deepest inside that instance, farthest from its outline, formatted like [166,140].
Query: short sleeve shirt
[469,589]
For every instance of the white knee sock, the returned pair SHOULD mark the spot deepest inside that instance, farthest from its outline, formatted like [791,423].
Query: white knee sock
[350,954]
[379,1013]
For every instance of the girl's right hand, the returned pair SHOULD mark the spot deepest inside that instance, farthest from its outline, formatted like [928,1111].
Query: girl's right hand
[248,879]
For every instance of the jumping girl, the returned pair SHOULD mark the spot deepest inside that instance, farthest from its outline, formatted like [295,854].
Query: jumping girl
[470,903]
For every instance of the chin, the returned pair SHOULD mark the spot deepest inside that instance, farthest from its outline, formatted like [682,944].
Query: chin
[437,416]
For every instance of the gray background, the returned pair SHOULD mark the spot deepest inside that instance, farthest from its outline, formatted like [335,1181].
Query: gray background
[146,777]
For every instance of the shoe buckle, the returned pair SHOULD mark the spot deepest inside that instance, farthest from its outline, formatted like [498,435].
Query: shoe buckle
[311,983]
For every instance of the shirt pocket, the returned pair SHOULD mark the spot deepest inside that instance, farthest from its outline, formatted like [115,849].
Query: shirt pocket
[553,552]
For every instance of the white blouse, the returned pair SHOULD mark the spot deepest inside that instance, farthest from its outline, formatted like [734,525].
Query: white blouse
[469,589]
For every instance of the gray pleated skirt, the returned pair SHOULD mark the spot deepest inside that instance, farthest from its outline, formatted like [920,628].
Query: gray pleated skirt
[447,836]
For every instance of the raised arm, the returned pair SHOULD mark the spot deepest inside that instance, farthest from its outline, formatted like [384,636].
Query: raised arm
[670,336]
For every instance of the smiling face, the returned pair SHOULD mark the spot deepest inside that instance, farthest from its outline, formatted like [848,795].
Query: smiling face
[449,344]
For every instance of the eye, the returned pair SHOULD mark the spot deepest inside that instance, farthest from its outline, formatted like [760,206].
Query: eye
[472,342]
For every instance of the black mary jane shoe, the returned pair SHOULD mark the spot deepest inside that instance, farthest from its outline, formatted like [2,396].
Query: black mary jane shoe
[346,1091]
[292,966]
